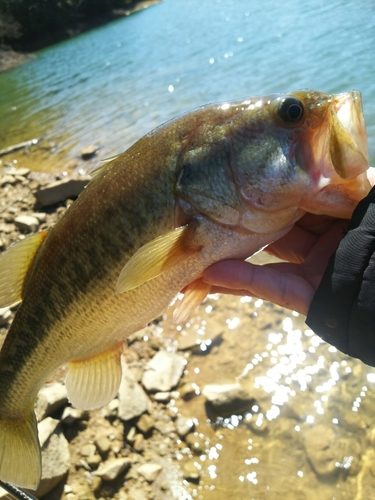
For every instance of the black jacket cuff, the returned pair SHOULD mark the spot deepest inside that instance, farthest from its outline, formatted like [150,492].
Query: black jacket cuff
[343,308]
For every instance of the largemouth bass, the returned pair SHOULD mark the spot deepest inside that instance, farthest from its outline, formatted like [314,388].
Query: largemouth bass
[219,182]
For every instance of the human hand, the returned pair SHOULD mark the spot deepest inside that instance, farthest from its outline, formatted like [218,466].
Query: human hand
[305,249]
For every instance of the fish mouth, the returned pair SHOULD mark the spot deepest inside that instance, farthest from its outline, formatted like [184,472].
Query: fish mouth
[340,154]
[348,140]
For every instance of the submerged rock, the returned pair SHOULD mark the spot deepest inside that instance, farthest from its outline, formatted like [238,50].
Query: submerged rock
[321,450]
[163,372]
[228,399]
[89,151]
[184,425]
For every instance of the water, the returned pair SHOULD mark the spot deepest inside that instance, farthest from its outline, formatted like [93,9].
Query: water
[114,84]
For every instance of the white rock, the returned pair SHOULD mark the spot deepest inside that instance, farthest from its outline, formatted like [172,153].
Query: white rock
[89,151]
[112,468]
[50,398]
[133,401]
[70,415]
[5,314]
[23,172]
[55,463]
[184,426]
[45,428]
[163,371]
[88,450]
[228,398]
[150,471]
[26,223]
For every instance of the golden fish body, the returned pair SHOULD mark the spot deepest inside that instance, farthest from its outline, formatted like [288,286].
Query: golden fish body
[220,182]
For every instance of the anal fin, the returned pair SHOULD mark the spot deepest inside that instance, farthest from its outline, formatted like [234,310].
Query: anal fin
[92,383]
[195,293]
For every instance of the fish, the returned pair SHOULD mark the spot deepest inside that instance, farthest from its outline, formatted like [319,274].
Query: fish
[219,182]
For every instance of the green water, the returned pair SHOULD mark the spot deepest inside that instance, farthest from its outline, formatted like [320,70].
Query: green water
[114,84]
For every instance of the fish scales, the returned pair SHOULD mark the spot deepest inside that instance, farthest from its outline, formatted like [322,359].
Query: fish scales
[136,203]
[219,182]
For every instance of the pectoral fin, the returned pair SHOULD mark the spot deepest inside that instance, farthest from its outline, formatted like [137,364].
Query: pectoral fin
[94,382]
[14,264]
[195,293]
[156,257]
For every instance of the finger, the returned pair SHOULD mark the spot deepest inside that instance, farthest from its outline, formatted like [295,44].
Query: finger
[231,291]
[294,246]
[371,175]
[269,282]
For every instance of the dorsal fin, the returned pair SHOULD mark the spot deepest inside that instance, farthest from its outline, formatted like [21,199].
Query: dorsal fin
[103,164]
[14,264]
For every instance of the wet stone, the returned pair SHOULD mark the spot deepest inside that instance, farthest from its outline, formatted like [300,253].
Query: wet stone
[228,399]
[7,179]
[256,422]
[145,423]
[89,151]
[133,401]
[164,427]
[321,450]
[71,415]
[184,426]
[191,470]
[88,450]
[22,172]
[26,223]
[196,443]
[5,315]
[96,484]
[93,461]
[163,371]
[112,468]
[139,442]
[189,390]
[46,428]
[60,191]
[162,397]
[150,471]
[55,463]
[103,445]
[51,398]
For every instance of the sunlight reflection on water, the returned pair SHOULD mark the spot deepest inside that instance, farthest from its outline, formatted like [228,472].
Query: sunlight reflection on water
[301,386]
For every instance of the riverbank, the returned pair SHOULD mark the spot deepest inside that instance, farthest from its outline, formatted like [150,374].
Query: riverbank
[15,50]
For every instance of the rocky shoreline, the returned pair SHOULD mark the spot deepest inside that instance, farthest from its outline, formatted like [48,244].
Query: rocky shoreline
[14,54]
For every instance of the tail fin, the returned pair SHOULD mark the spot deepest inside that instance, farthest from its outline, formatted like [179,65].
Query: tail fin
[20,459]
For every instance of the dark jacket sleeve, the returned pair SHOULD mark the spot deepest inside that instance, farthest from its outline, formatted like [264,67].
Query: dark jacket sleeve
[343,308]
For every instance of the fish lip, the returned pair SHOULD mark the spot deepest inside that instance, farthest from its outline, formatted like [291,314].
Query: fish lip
[348,140]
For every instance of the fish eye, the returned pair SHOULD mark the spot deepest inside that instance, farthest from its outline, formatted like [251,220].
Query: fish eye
[291,110]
